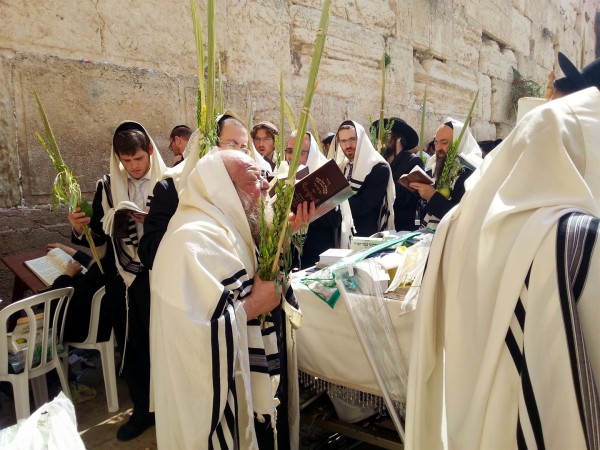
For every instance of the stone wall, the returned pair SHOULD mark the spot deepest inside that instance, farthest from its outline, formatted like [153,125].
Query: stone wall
[96,63]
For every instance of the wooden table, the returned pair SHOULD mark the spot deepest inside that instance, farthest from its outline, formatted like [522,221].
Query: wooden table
[25,279]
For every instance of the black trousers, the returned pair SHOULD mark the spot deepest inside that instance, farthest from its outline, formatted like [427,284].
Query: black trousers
[137,351]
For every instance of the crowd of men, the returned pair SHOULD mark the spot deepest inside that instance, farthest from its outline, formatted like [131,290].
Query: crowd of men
[191,315]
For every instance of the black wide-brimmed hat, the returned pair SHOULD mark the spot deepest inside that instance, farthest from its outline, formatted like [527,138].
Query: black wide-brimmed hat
[327,139]
[400,128]
[574,80]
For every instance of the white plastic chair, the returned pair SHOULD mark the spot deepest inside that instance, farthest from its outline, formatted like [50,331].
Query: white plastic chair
[50,340]
[106,349]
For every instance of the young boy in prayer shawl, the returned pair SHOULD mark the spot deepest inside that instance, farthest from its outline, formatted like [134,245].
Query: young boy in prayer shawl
[135,167]
[370,177]
[506,346]
[217,372]
[469,156]
[324,232]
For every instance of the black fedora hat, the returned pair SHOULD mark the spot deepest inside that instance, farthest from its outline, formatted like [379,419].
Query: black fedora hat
[400,128]
[574,80]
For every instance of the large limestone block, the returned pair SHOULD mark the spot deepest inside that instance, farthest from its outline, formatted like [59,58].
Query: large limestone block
[376,15]
[451,88]
[520,32]
[399,82]
[484,111]
[10,193]
[84,103]
[257,44]
[496,62]
[431,27]
[466,40]
[494,17]
[151,34]
[350,62]
[500,102]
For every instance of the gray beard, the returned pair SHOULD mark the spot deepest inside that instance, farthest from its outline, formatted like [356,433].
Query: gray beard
[252,211]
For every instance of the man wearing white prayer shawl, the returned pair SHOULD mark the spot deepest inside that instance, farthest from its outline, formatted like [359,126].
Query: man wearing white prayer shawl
[469,155]
[324,232]
[370,177]
[216,371]
[506,345]
[135,166]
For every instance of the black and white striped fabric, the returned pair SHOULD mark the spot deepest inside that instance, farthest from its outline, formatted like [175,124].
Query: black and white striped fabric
[214,372]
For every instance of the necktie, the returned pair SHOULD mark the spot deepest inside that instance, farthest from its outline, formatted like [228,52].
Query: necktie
[349,175]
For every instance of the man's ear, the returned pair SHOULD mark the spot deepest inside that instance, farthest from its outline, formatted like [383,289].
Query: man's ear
[150,149]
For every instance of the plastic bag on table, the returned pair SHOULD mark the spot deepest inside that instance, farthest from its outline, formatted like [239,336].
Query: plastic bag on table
[53,427]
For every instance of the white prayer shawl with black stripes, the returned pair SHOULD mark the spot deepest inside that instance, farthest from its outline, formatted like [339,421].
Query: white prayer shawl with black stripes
[365,158]
[492,264]
[212,372]
[116,190]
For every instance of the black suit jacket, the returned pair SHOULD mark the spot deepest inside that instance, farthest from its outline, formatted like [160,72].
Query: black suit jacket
[366,203]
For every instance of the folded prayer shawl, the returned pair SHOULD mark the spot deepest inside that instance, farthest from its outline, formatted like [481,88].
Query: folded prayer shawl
[365,158]
[212,372]
[116,190]
[491,324]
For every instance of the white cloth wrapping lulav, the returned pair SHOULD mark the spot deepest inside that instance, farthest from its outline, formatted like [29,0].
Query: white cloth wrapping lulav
[464,391]
[207,383]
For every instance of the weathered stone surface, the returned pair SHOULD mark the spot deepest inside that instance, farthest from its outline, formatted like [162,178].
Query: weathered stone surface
[10,191]
[95,63]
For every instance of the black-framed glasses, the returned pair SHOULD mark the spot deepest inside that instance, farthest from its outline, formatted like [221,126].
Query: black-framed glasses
[289,151]
[347,141]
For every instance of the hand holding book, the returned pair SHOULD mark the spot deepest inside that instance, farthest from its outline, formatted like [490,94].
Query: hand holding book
[416,175]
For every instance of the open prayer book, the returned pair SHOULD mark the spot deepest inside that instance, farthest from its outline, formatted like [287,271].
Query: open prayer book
[416,175]
[326,187]
[121,220]
[48,268]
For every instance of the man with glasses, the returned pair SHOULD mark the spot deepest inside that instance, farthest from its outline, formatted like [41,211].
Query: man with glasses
[178,139]
[263,137]
[370,177]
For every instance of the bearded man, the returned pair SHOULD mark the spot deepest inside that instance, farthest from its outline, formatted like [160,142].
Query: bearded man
[218,372]
[469,157]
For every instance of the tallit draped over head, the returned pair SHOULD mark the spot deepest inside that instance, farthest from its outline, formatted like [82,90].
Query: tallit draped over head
[206,386]
[501,236]
[365,158]
[315,158]
[468,150]
[116,190]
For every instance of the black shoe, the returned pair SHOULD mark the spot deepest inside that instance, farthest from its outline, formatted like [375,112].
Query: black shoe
[135,426]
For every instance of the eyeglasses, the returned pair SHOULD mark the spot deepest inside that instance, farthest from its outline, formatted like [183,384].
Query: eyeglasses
[264,139]
[289,151]
[171,144]
[347,141]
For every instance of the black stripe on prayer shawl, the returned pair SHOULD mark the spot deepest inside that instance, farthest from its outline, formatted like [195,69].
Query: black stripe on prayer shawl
[223,432]
[515,345]
[125,261]
[290,297]
[531,404]
[576,238]
[258,360]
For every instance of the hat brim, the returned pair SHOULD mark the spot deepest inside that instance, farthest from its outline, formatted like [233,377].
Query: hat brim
[572,74]
[401,128]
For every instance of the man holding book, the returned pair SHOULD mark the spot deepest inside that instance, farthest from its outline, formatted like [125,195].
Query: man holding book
[370,177]
[437,203]
[135,166]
